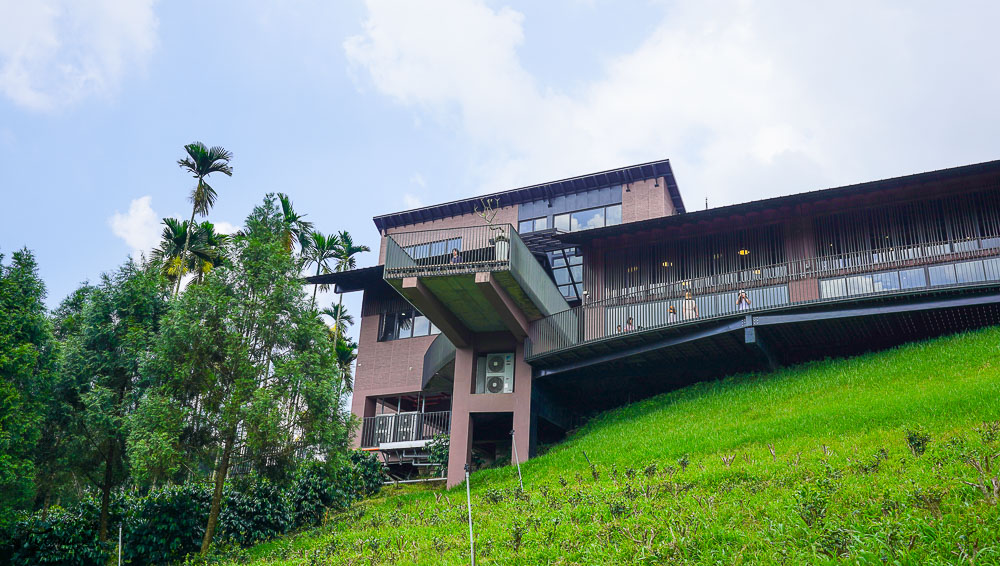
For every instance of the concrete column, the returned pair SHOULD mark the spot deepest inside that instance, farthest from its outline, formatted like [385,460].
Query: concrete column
[524,418]
[460,450]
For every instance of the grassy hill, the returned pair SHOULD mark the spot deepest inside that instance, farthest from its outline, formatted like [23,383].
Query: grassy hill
[871,456]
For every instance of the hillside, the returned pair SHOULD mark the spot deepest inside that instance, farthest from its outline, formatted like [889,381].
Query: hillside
[689,477]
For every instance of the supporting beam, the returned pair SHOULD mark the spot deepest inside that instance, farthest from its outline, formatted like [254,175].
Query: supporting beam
[421,297]
[654,345]
[965,301]
[511,315]
[752,335]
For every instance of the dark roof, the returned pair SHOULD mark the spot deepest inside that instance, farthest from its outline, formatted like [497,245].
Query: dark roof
[572,185]
[989,167]
[349,281]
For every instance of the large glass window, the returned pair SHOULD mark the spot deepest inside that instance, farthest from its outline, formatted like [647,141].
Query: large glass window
[533,225]
[588,219]
[567,271]
[405,324]
[433,249]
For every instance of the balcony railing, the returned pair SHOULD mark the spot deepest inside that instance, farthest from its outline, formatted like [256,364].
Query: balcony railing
[458,251]
[897,270]
[403,427]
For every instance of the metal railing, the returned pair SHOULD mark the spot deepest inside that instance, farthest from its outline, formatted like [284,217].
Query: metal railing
[455,251]
[403,427]
[897,270]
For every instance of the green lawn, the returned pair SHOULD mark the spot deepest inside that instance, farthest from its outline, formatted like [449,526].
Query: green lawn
[843,484]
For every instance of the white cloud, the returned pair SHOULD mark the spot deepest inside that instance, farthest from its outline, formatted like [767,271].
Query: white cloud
[747,99]
[223,227]
[55,52]
[140,227]
[411,201]
[418,179]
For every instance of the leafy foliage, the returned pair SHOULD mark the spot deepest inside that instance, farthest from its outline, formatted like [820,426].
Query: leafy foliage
[369,473]
[166,524]
[256,510]
[60,536]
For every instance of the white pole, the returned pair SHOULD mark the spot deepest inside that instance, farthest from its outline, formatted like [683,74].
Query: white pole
[513,443]
[119,544]
[468,499]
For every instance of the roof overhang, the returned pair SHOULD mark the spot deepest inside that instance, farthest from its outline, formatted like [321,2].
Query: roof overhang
[788,202]
[350,281]
[631,174]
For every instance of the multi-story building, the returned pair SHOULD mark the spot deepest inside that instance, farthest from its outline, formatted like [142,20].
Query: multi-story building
[588,292]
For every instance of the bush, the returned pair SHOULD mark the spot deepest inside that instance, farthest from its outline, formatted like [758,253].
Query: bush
[917,439]
[438,451]
[369,473]
[319,486]
[61,536]
[255,510]
[166,524]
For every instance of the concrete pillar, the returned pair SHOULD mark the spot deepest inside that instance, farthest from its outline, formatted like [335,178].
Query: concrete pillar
[460,450]
[524,418]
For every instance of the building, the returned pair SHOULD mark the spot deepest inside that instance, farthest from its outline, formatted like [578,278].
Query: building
[589,292]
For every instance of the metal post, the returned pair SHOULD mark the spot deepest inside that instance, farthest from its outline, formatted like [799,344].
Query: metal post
[517,462]
[119,544]
[468,499]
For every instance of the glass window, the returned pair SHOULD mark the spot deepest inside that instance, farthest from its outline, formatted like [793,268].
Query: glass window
[859,285]
[435,329]
[568,291]
[541,223]
[832,288]
[421,326]
[575,259]
[561,275]
[404,325]
[454,244]
[912,278]
[888,281]
[559,261]
[388,327]
[942,274]
[561,222]
[439,248]
[577,272]
[525,226]
[614,215]
[587,219]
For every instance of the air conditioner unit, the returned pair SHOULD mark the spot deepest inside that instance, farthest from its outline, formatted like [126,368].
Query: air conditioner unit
[500,373]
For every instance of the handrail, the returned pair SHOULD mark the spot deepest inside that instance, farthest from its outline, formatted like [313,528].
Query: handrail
[403,427]
[766,286]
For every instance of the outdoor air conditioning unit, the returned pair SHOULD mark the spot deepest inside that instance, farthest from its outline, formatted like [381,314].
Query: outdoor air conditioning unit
[500,373]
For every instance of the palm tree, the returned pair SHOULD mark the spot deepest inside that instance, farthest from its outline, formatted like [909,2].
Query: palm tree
[347,352]
[202,162]
[205,246]
[295,228]
[346,261]
[320,250]
[339,312]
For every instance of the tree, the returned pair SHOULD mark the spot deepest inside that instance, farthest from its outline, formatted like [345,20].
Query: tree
[339,312]
[320,250]
[202,162]
[114,332]
[206,249]
[246,362]
[26,368]
[346,260]
[295,228]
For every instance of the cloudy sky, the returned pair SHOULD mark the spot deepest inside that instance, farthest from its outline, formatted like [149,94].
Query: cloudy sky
[362,108]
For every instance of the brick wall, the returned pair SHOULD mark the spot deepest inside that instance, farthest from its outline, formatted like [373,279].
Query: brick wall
[643,200]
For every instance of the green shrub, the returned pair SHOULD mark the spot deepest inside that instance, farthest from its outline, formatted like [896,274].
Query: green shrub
[166,524]
[255,510]
[918,439]
[60,536]
[437,450]
[319,486]
[369,473]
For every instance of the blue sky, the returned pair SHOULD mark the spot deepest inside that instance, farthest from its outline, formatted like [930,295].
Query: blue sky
[361,108]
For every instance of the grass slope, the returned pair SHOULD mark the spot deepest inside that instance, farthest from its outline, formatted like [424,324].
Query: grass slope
[689,477]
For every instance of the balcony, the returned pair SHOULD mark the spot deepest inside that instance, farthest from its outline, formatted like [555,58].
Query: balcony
[399,431]
[473,279]
[899,271]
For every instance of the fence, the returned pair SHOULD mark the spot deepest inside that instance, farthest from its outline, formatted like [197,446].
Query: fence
[403,427]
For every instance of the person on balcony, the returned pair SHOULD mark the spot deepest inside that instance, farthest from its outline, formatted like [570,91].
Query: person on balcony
[742,301]
[671,314]
[455,257]
[690,308]
[629,325]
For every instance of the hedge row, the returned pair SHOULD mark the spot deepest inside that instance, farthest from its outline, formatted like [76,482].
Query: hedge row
[165,524]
